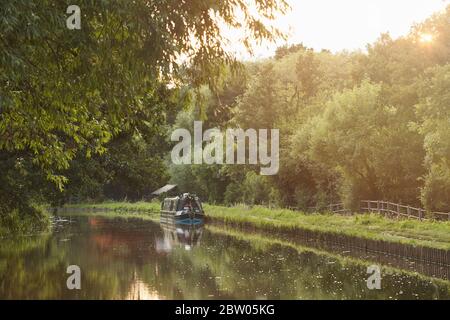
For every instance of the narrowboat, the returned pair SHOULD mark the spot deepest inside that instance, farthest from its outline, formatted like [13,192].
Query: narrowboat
[186,209]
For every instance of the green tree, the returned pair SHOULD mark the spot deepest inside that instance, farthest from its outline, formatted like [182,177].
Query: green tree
[434,113]
[63,91]
[360,139]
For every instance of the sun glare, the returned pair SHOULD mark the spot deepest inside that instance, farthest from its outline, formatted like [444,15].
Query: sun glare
[426,38]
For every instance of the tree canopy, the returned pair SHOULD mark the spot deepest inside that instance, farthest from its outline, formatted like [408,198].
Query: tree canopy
[353,126]
[91,110]
[68,93]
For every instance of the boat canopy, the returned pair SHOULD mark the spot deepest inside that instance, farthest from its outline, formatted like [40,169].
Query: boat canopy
[165,189]
[181,202]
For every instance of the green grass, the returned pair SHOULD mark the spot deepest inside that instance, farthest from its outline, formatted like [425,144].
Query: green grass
[142,210]
[113,214]
[15,222]
[140,206]
[432,234]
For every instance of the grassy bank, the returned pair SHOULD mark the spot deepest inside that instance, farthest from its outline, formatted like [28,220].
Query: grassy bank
[261,241]
[368,226]
[17,222]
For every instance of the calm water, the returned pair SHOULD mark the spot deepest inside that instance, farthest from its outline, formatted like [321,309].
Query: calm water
[136,259]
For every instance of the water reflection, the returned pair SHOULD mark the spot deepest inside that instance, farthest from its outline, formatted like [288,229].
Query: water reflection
[135,259]
[139,290]
[185,236]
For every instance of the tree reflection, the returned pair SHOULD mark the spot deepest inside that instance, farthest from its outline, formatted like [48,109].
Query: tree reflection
[135,259]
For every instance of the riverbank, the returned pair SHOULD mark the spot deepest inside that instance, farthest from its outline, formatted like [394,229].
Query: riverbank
[430,234]
[14,222]
[390,264]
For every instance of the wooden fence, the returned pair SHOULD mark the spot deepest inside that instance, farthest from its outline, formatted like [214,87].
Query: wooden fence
[392,209]
[389,209]
[398,210]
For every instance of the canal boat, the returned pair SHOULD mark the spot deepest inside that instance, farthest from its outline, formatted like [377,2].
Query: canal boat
[184,209]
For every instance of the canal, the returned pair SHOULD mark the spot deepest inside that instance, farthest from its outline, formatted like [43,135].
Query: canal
[141,259]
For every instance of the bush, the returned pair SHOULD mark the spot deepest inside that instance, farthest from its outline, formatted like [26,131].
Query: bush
[15,221]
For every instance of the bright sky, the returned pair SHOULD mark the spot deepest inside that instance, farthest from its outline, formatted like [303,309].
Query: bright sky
[349,24]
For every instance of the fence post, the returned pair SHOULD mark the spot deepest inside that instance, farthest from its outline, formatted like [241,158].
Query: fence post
[420,214]
[408,211]
[398,210]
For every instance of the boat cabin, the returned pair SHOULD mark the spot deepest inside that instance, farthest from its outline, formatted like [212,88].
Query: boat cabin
[186,206]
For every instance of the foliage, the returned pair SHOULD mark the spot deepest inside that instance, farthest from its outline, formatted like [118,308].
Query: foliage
[66,95]
[434,113]
[353,125]
[78,111]
[14,222]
